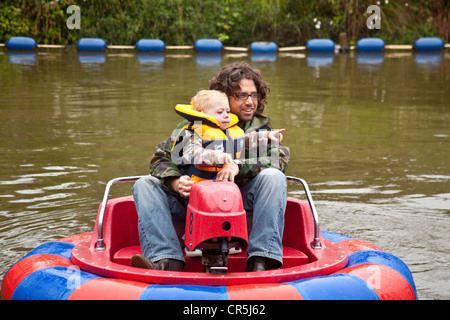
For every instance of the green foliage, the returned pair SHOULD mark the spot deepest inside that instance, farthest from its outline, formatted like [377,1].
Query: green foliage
[11,21]
[234,22]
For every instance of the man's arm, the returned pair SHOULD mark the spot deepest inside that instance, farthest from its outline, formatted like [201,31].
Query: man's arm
[162,166]
[273,155]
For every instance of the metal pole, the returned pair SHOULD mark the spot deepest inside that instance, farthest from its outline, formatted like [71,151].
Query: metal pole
[316,243]
[100,241]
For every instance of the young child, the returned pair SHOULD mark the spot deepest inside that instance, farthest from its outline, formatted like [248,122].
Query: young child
[212,140]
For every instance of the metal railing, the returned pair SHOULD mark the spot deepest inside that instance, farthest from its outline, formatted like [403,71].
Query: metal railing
[101,243]
[316,243]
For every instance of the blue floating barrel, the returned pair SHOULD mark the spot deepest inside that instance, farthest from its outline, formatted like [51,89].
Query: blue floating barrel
[21,43]
[320,45]
[370,45]
[263,47]
[91,44]
[208,45]
[428,44]
[146,45]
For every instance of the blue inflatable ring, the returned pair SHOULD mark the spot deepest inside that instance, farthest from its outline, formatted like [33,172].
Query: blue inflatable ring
[47,272]
[370,45]
[428,44]
[208,45]
[263,47]
[21,43]
[91,44]
[320,45]
[145,45]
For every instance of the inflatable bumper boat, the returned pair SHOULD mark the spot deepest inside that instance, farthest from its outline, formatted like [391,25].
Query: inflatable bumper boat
[316,264]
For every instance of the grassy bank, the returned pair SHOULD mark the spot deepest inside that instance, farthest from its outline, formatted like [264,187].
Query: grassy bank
[234,22]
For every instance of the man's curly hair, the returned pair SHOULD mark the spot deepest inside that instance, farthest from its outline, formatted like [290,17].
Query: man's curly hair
[227,81]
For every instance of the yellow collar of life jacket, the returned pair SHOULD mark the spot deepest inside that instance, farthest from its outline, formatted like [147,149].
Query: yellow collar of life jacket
[187,112]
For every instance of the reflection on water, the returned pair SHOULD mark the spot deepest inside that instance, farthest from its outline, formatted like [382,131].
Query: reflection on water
[318,59]
[152,59]
[431,59]
[204,59]
[91,57]
[22,57]
[369,133]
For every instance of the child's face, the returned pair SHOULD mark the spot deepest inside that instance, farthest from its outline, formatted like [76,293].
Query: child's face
[219,110]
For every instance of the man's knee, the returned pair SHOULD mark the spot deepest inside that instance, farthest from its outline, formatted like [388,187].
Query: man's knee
[272,174]
[145,182]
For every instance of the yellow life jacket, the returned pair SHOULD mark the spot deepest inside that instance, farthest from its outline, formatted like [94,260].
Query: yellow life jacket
[207,128]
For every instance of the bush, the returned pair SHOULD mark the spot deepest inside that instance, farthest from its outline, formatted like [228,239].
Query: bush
[234,22]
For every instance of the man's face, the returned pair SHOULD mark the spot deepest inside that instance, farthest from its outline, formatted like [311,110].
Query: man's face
[244,108]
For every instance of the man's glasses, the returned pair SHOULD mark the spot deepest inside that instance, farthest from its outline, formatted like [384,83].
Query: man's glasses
[244,96]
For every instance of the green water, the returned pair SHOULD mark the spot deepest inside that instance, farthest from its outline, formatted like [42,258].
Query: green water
[370,135]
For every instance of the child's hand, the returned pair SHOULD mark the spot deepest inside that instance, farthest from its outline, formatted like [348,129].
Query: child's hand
[276,135]
[224,158]
[228,172]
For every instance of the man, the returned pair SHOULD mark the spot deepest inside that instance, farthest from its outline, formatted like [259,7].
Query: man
[262,183]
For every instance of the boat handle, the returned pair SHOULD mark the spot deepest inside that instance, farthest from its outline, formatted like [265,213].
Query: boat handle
[100,241]
[316,243]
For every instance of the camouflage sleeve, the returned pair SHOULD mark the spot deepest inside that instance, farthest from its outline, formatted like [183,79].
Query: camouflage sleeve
[161,165]
[276,156]
[261,156]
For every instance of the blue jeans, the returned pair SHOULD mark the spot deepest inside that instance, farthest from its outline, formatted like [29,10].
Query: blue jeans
[264,199]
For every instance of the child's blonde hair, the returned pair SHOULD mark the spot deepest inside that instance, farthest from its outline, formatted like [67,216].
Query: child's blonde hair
[202,99]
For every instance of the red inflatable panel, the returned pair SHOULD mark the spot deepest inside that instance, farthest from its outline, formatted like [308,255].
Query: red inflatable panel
[273,291]
[386,282]
[27,266]
[109,289]
[354,245]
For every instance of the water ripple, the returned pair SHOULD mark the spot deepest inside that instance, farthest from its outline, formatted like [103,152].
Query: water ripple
[44,198]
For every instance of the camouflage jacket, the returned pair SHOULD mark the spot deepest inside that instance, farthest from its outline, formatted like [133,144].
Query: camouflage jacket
[256,158]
